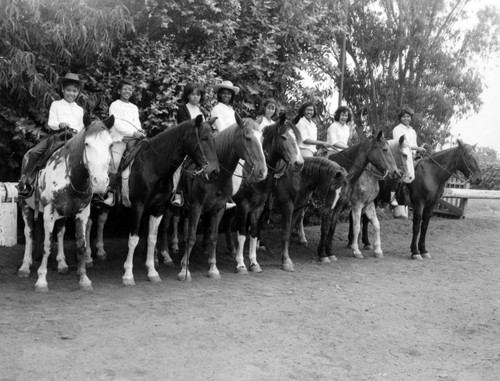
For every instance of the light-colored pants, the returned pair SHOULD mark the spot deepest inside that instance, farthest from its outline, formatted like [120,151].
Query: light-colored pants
[117,150]
[306,152]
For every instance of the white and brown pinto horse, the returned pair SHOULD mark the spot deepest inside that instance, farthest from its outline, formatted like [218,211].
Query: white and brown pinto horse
[65,187]
[367,188]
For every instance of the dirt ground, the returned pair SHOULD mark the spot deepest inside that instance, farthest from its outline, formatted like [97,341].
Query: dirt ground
[371,319]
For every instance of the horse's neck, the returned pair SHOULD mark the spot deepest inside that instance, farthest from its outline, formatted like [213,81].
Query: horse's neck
[357,161]
[444,164]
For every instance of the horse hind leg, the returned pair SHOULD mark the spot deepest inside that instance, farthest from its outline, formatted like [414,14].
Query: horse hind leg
[154,223]
[102,217]
[423,233]
[240,262]
[62,266]
[29,228]
[356,222]
[365,236]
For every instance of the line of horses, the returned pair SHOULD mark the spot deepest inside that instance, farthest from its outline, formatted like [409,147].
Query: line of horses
[273,169]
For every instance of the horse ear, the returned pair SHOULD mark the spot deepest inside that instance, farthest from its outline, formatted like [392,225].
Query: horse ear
[380,135]
[211,121]
[239,121]
[401,140]
[282,117]
[198,120]
[109,122]
[86,120]
[459,142]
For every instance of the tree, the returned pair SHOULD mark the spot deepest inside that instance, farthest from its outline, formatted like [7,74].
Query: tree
[416,53]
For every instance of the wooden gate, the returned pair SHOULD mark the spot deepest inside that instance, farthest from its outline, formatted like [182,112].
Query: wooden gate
[452,207]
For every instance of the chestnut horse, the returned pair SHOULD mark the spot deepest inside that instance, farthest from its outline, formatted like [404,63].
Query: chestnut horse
[241,141]
[292,192]
[64,189]
[366,191]
[431,175]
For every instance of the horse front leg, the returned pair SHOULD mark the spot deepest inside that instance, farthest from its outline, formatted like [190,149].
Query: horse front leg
[29,228]
[41,284]
[154,223]
[255,215]
[133,240]
[426,216]
[194,217]
[356,227]
[163,247]
[326,220]
[300,228]
[62,266]
[102,217]
[88,251]
[286,227]
[241,233]
[417,220]
[371,214]
[334,217]
[175,233]
[365,237]
[81,220]
[213,271]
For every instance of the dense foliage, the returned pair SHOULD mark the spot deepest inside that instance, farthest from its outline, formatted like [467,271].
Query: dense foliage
[399,52]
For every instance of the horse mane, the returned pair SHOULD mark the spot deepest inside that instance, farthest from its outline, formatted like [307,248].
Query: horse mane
[164,147]
[319,167]
[224,142]
[75,146]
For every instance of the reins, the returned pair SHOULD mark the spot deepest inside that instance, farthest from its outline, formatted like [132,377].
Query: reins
[447,171]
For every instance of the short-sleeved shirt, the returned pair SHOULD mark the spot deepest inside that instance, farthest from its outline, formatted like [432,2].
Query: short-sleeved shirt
[126,119]
[408,132]
[308,130]
[62,111]
[338,133]
[265,122]
[225,116]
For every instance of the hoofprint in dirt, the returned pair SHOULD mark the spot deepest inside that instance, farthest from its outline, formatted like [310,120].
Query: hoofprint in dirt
[371,319]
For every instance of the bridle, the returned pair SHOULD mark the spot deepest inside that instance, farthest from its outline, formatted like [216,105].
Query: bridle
[457,159]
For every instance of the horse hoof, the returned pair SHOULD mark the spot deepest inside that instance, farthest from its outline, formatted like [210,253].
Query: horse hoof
[86,287]
[332,258]
[169,263]
[23,274]
[304,243]
[368,247]
[324,260]
[378,255]
[63,270]
[184,278]
[128,282]
[287,267]
[417,257]
[154,279]
[255,268]
[213,275]
[358,255]
[426,256]
[43,288]
[241,270]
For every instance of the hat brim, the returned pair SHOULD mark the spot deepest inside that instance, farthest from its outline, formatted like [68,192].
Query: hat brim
[63,81]
[232,88]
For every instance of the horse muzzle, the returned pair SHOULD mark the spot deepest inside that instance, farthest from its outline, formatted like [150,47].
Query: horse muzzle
[99,185]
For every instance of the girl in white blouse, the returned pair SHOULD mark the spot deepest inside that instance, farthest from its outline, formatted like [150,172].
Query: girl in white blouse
[308,130]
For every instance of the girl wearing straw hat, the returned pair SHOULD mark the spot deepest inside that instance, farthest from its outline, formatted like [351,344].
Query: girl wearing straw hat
[223,110]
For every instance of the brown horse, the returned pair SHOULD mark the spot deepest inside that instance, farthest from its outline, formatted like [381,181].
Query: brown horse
[282,154]
[355,160]
[241,141]
[366,191]
[293,190]
[431,175]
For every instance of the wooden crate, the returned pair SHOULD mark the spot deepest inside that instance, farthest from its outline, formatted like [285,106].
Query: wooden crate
[452,207]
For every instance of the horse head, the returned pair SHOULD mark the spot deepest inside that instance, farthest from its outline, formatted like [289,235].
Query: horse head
[404,158]
[280,143]
[97,151]
[202,148]
[251,150]
[380,155]
[468,164]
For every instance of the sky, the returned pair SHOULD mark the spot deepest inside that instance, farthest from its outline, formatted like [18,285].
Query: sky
[483,128]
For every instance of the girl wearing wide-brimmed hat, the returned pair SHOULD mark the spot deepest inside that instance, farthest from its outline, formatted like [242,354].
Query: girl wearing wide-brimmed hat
[64,114]
[223,110]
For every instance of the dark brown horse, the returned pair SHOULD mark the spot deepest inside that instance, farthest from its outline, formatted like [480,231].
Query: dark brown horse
[355,159]
[282,154]
[241,141]
[431,175]
[150,178]
[292,192]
